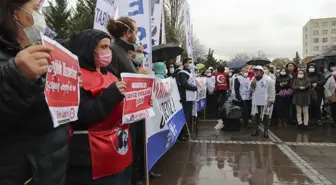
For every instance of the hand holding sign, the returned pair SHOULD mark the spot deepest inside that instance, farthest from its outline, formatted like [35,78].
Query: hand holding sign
[142,70]
[121,86]
[32,62]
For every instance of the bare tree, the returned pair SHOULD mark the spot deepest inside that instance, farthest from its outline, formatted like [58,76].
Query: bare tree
[198,48]
[260,54]
[280,62]
[331,48]
[241,56]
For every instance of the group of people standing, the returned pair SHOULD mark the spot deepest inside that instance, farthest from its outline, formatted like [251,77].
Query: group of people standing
[95,149]
[286,95]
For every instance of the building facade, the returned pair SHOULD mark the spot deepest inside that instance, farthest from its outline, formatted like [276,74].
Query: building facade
[318,35]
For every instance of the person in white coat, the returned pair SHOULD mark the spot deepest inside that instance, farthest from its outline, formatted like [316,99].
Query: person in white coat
[263,97]
[211,98]
[330,95]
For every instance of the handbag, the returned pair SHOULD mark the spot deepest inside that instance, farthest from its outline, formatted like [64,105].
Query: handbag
[313,95]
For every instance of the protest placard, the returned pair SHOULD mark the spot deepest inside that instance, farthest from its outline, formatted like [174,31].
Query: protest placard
[105,9]
[62,84]
[138,97]
[201,93]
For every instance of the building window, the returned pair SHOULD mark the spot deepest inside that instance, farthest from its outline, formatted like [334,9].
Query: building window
[315,32]
[316,48]
[333,39]
[316,25]
[324,48]
[325,24]
[324,32]
[333,31]
[324,40]
[333,23]
[316,40]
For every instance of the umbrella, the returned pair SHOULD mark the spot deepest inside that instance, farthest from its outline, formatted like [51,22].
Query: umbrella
[316,59]
[200,66]
[236,64]
[331,54]
[164,52]
[259,61]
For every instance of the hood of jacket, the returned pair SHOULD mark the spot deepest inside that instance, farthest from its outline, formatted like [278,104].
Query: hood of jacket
[313,73]
[8,47]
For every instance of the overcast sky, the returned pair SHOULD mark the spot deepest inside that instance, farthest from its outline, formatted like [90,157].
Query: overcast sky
[274,26]
[246,26]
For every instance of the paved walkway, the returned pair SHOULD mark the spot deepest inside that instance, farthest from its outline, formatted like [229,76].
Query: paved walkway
[215,157]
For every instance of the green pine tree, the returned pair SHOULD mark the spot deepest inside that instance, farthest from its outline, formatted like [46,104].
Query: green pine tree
[58,18]
[297,58]
[83,15]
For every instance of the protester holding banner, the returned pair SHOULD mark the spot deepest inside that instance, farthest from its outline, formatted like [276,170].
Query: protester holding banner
[95,158]
[188,92]
[124,31]
[28,139]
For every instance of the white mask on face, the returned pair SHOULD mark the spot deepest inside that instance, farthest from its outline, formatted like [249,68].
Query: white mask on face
[266,71]
[300,76]
[171,70]
[245,75]
[139,59]
[311,70]
[283,73]
[333,68]
[39,26]
[278,71]
[209,75]
[230,74]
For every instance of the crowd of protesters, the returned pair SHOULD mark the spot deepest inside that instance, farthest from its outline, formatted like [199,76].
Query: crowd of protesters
[286,95]
[36,153]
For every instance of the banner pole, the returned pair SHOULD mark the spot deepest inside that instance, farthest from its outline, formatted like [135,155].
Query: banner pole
[150,69]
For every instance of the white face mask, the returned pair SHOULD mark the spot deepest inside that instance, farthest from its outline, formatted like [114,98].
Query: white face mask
[278,71]
[283,73]
[139,58]
[266,71]
[209,75]
[300,76]
[311,70]
[230,74]
[39,26]
[171,70]
[245,75]
[333,68]
[191,67]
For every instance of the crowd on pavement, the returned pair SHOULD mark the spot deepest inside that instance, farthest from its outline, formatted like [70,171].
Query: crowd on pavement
[78,153]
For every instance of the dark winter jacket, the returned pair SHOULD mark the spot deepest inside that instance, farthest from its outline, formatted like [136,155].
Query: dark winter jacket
[121,60]
[29,143]
[183,85]
[91,109]
[316,77]
[301,96]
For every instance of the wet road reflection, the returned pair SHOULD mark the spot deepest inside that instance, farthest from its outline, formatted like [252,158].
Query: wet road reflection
[212,164]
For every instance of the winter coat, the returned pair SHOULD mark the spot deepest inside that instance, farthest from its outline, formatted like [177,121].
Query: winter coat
[28,140]
[330,87]
[183,85]
[121,60]
[316,77]
[301,96]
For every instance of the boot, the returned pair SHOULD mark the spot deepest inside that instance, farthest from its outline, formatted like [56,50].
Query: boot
[279,123]
[256,133]
[266,134]
[285,123]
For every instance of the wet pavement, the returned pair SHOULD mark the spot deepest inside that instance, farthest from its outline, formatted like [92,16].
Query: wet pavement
[215,157]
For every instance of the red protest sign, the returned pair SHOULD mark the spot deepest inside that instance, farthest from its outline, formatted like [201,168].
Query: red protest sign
[138,97]
[62,84]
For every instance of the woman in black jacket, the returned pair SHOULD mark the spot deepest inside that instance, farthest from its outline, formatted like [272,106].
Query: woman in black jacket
[316,79]
[100,149]
[283,100]
[31,149]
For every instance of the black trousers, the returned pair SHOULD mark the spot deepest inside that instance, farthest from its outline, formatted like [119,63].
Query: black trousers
[221,97]
[333,111]
[258,120]
[138,147]
[246,106]
[211,104]
[315,108]
[187,108]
